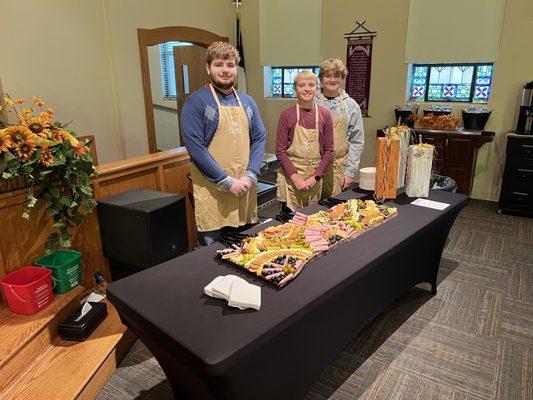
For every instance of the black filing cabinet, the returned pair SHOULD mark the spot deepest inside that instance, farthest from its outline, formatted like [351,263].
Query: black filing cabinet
[516,195]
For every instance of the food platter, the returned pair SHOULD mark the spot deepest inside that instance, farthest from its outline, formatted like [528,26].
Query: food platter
[278,254]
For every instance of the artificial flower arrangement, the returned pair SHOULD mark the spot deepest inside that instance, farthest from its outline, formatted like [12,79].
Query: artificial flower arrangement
[47,155]
[439,122]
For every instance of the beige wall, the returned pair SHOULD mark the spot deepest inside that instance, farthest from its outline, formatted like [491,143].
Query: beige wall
[124,17]
[82,57]
[269,108]
[389,74]
[455,34]
[285,35]
[58,50]
[511,71]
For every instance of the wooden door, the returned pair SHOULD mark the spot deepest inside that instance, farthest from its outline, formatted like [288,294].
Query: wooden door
[189,67]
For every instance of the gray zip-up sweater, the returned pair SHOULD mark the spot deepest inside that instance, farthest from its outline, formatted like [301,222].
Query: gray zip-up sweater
[354,127]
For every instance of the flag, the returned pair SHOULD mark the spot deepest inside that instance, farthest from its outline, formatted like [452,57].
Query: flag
[241,81]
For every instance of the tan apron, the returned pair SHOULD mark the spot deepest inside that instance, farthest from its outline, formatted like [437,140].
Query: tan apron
[333,176]
[304,153]
[230,148]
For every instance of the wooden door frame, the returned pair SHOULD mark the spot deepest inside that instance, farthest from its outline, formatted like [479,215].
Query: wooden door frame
[152,37]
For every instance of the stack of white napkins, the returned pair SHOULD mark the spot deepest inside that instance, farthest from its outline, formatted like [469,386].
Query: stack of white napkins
[238,292]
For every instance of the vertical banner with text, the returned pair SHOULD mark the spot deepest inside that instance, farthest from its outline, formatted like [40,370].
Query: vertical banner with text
[359,65]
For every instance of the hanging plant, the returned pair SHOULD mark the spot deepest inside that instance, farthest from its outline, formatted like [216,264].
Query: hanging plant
[49,156]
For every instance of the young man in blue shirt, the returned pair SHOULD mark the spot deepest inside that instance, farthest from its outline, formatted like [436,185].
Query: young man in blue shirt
[225,138]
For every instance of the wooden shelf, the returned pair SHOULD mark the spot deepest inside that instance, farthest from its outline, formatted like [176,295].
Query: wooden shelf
[25,341]
[74,370]
[25,337]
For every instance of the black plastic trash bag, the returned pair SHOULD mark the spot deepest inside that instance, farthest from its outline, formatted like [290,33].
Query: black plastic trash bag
[443,183]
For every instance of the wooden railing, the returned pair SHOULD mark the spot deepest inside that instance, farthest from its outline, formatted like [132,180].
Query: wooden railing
[21,241]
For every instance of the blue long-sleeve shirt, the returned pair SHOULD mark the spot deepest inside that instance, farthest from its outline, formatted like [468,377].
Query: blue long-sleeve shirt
[199,121]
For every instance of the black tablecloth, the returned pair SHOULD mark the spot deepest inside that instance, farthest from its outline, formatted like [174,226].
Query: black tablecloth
[209,350]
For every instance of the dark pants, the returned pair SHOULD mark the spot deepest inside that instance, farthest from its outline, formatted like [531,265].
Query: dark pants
[283,208]
[209,237]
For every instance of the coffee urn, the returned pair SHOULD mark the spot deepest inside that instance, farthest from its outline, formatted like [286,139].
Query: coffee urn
[525,118]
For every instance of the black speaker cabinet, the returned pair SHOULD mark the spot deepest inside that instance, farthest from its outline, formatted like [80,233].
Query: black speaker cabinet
[142,228]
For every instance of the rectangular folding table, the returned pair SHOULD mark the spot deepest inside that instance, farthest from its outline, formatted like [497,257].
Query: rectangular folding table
[211,351]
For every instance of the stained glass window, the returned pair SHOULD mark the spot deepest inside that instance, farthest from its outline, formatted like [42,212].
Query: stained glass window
[417,90]
[450,82]
[276,81]
[482,84]
[288,90]
[282,78]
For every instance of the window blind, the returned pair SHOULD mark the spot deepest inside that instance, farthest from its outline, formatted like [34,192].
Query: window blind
[290,32]
[454,31]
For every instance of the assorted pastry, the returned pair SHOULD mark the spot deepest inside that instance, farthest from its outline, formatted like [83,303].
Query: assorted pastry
[279,253]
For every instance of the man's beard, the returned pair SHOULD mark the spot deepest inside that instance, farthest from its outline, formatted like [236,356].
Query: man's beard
[220,85]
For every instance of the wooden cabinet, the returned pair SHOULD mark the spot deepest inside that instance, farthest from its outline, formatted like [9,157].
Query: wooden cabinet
[455,153]
[516,194]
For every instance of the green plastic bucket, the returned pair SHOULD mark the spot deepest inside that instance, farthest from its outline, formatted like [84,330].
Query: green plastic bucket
[66,269]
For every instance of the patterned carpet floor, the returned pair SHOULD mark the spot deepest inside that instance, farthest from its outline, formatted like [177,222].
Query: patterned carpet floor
[471,341]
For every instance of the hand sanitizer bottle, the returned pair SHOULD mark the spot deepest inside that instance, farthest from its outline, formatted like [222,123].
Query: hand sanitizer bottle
[101,285]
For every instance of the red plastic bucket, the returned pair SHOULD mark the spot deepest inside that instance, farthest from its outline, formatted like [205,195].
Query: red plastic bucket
[28,290]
